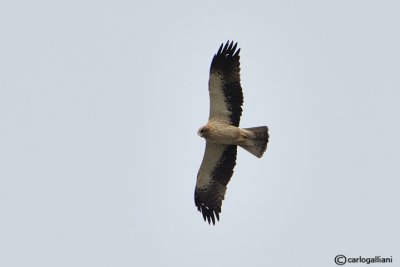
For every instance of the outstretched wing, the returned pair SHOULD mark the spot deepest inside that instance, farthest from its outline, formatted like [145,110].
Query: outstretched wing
[226,97]
[215,172]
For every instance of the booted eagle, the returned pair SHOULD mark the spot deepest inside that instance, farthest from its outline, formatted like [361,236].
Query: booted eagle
[222,132]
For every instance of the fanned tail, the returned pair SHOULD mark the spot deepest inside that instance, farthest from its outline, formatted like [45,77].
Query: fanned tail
[257,140]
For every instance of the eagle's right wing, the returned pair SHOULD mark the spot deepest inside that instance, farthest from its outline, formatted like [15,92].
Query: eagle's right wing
[215,172]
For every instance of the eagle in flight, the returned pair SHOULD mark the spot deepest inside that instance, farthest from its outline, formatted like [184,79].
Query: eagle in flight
[222,132]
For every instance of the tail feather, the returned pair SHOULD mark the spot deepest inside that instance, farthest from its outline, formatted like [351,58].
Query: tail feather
[257,140]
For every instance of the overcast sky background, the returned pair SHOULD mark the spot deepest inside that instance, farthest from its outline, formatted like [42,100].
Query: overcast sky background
[100,103]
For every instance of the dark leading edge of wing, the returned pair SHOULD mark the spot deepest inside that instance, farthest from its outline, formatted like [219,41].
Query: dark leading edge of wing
[209,200]
[226,62]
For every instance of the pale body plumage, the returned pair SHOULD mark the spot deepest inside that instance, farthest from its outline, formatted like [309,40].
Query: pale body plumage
[217,131]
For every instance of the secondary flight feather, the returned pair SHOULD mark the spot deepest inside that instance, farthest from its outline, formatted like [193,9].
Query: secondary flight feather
[222,132]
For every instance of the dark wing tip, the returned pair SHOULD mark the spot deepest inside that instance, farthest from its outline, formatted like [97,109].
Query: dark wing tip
[220,49]
[209,214]
[229,49]
[227,60]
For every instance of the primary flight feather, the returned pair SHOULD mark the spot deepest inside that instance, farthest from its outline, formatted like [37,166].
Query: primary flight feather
[222,132]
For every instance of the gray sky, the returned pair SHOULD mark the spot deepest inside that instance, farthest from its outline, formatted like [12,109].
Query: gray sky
[100,102]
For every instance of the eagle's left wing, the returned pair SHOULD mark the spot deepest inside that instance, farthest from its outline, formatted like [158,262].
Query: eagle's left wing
[226,96]
[215,172]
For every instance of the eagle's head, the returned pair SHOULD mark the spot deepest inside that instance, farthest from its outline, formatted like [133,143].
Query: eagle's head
[204,131]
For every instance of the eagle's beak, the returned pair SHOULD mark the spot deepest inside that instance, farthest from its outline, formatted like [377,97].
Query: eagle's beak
[202,131]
